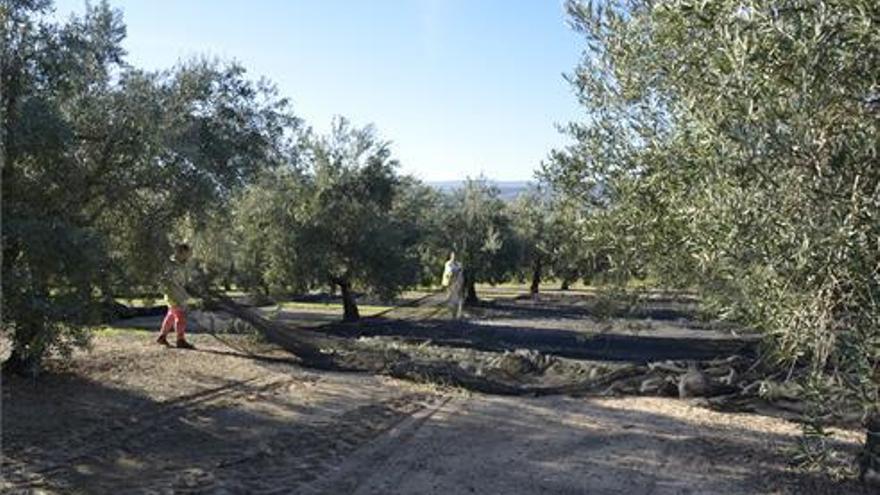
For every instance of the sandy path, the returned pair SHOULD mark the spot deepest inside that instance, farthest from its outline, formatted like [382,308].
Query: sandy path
[137,418]
[130,417]
[561,445]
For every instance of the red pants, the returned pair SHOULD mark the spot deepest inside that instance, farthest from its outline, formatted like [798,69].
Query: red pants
[175,317]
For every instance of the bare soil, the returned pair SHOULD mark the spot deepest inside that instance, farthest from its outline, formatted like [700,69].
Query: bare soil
[129,416]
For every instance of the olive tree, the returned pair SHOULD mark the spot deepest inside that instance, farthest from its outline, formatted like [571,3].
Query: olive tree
[345,217]
[552,239]
[477,227]
[737,142]
[353,235]
[528,213]
[102,161]
[421,206]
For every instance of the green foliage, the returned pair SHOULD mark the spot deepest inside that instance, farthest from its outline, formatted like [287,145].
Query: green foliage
[353,231]
[476,225]
[266,224]
[529,214]
[103,162]
[52,258]
[552,237]
[736,146]
[347,219]
[419,206]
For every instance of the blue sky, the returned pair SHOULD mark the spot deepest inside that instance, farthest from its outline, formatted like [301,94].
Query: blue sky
[461,87]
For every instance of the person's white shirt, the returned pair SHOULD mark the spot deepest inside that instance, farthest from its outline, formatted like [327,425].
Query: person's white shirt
[450,270]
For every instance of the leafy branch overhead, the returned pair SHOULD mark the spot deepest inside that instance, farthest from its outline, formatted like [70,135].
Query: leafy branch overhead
[736,146]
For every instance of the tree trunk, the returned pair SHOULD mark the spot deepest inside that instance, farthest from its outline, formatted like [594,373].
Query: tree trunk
[227,280]
[471,297]
[565,284]
[869,459]
[536,279]
[350,309]
[16,364]
[22,364]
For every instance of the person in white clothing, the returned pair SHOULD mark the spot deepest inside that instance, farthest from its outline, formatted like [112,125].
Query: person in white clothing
[453,281]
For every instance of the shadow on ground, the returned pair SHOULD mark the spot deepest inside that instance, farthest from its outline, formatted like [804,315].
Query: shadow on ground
[258,436]
[67,434]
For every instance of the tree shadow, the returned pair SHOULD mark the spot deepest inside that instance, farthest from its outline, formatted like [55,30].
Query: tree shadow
[249,355]
[73,435]
[555,445]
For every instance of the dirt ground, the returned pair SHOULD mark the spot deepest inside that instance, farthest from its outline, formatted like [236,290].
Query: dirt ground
[129,416]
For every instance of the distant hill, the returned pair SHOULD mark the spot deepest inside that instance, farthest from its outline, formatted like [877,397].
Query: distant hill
[510,189]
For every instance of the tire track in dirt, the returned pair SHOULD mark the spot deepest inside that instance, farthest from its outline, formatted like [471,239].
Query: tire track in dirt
[349,475]
[298,454]
[147,420]
[295,455]
[87,444]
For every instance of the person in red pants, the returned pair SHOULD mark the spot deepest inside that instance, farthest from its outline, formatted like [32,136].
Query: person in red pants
[176,297]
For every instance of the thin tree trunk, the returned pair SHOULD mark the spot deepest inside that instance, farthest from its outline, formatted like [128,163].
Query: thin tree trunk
[565,284]
[350,309]
[869,458]
[536,279]
[227,280]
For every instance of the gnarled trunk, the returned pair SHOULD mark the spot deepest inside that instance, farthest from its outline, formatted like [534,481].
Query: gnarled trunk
[471,287]
[21,362]
[20,365]
[536,278]
[349,306]
[869,461]
[230,276]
